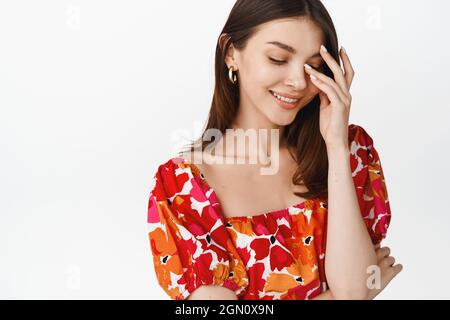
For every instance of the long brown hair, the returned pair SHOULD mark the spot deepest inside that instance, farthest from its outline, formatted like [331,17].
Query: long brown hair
[303,134]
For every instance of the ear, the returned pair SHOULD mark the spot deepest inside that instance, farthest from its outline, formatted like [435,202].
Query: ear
[230,54]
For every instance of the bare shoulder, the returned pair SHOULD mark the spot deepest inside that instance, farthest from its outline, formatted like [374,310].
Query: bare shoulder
[212,292]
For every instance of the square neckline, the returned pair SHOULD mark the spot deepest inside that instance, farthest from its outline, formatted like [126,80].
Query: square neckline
[299,205]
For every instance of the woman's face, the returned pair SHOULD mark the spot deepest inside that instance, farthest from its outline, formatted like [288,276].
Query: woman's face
[263,67]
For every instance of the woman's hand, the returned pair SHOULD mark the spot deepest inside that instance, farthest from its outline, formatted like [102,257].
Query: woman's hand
[387,269]
[335,98]
[387,272]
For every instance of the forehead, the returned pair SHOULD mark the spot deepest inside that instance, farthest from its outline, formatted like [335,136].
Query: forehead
[303,35]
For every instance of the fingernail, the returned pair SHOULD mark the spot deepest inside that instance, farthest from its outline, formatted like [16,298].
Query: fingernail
[343,50]
[313,77]
[323,48]
[307,66]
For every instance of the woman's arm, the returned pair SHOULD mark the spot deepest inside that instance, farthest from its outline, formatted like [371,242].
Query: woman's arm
[387,269]
[326,295]
[349,248]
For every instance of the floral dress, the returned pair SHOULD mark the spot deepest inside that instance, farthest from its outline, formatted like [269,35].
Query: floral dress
[277,255]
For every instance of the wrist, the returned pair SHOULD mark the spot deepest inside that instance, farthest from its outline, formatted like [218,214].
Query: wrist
[337,149]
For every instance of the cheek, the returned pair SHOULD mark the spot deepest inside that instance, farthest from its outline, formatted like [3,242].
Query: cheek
[310,93]
[257,76]
[314,90]
[263,76]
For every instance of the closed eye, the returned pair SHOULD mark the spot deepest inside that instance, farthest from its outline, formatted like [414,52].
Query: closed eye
[281,62]
[275,61]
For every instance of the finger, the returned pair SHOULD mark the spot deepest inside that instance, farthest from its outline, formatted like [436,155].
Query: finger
[392,272]
[385,251]
[391,260]
[397,268]
[377,246]
[335,68]
[349,72]
[311,71]
[324,101]
[330,92]
[382,252]
[387,261]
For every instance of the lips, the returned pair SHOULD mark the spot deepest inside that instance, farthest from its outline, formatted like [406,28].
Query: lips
[285,95]
[283,104]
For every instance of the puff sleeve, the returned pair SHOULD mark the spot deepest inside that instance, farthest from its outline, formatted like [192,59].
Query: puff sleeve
[188,239]
[369,183]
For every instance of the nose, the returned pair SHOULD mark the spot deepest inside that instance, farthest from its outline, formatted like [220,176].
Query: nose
[297,79]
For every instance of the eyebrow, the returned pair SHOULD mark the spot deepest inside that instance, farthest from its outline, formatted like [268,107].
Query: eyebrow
[290,49]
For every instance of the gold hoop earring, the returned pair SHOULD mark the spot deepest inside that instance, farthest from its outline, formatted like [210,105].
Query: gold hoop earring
[231,75]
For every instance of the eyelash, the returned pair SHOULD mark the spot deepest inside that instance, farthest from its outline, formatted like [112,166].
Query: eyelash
[281,62]
[278,62]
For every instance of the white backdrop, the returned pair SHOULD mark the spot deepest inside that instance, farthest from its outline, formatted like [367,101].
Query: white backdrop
[93,95]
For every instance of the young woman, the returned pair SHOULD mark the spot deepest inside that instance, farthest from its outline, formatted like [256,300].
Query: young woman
[313,229]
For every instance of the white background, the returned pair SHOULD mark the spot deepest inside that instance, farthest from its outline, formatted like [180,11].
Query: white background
[93,95]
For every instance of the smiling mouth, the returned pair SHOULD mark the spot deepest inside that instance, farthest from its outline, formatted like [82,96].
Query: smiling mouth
[283,101]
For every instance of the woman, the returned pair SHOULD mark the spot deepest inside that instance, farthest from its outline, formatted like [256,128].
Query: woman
[226,231]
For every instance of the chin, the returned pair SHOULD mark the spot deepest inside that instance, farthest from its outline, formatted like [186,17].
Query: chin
[283,118]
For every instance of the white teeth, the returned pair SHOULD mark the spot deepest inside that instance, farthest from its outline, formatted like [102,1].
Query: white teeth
[284,98]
